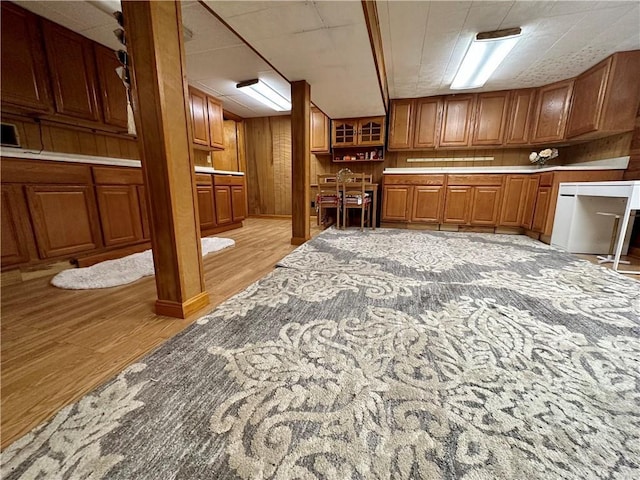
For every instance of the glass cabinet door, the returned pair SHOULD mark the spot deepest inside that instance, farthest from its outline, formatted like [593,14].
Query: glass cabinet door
[344,132]
[371,131]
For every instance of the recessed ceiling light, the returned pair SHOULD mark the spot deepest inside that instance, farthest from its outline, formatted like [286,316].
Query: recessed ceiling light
[262,92]
[484,55]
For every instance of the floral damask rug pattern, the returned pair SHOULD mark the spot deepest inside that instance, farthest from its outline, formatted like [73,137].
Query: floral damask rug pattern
[383,354]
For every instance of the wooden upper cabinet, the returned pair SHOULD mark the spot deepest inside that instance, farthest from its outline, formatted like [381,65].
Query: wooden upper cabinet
[199,117]
[428,114]
[319,131]
[490,118]
[23,64]
[371,131]
[216,123]
[401,124]
[344,132]
[552,110]
[112,91]
[358,132]
[73,74]
[605,97]
[521,108]
[457,115]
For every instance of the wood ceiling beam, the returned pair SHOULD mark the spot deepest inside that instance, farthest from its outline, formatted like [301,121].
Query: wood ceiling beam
[160,105]
[375,39]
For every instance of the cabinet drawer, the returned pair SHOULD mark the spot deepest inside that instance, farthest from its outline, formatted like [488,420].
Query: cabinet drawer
[414,179]
[117,176]
[228,180]
[35,171]
[546,179]
[474,180]
[204,179]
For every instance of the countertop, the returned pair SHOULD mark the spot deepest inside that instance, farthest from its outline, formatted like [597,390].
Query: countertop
[10,152]
[619,163]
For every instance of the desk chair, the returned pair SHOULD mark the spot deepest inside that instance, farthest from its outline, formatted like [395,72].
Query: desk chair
[354,195]
[328,197]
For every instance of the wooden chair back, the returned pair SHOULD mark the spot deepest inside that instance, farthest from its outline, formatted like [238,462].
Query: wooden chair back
[353,189]
[328,196]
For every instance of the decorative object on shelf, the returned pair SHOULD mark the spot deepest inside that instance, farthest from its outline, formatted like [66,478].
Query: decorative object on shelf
[544,156]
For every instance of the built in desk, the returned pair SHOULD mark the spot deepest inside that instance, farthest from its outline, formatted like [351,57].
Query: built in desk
[577,227]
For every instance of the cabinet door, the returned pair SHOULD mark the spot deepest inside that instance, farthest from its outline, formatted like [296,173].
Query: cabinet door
[542,209]
[485,206]
[344,133]
[65,219]
[205,207]
[371,131]
[521,108]
[395,203]
[456,120]
[13,244]
[319,131]
[456,205]
[588,98]
[531,194]
[112,91]
[513,200]
[119,214]
[401,124]
[199,117]
[71,61]
[552,108]
[491,114]
[24,73]
[427,204]
[238,203]
[224,213]
[428,113]
[216,123]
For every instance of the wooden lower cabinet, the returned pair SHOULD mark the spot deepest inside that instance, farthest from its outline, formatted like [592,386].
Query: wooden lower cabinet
[531,193]
[456,205]
[206,210]
[395,202]
[427,204]
[513,201]
[224,212]
[543,201]
[65,219]
[14,240]
[485,205]
[238,203]
[119,214]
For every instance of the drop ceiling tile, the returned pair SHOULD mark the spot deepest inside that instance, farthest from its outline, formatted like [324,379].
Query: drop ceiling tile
[230,9]
[333,15]
[208,32]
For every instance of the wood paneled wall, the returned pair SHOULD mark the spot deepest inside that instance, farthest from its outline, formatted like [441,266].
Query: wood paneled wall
[608,147]
[56,137]
[502,157]
[268,156]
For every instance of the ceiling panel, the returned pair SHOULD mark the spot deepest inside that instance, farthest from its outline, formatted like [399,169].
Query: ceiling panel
[559,41]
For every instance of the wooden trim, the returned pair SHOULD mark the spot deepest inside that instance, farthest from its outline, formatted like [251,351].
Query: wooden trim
[266,215]
[184,309]
[375,39]
[299,240]
[227,115]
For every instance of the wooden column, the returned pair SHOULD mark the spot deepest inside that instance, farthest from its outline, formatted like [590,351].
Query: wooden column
[300,161]
[160,105]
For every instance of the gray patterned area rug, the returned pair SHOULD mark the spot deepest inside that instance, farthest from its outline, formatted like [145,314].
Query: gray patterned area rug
[384,354]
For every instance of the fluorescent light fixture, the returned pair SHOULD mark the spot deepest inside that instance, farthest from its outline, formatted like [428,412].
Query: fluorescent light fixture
[262,92]
[484,55]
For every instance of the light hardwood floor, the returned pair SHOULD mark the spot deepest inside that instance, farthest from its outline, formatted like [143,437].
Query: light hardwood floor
[57,345]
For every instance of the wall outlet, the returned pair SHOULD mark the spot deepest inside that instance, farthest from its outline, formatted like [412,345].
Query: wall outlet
[209,159]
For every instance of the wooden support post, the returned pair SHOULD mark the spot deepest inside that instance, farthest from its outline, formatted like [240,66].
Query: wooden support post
[160,105]
[300,161]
